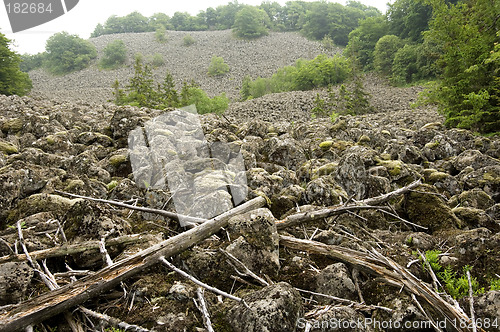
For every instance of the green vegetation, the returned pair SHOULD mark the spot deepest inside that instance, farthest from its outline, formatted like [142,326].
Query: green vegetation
[188,40]
[115,55]
[384,53]
[468,89]
[217,66]
[251,22]
[12,80]
[161,35]
[457,287]
[157,60]
[142,91]
[31,61]
[352,100]
[453,42]
[304,75]
[314,19]
[67,53]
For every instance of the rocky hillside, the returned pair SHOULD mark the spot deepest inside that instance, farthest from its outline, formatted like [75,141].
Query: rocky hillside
[360,254]
[261,57]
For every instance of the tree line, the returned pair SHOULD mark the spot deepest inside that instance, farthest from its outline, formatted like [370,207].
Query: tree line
[451,43]
[314,19]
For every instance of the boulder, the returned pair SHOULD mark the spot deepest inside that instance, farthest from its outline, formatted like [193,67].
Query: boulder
[255,241]
[15,277]
[427,209]
[275,308]
[335,280]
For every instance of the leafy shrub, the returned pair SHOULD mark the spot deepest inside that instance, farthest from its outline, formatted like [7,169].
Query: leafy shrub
[31,61]
[161,35]
[115,55]
[404,66]
[322,71]
[68,53]
[363,39]
[188,40]
[250,23]
[192,94]
[142,91]
[157,60]
[12,79]
[217,66]
[384,53]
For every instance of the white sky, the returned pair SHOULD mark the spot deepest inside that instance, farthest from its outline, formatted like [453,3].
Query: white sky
[83,19]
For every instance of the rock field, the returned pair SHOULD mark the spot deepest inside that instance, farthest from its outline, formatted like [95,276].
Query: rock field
[261,57]
[347,265]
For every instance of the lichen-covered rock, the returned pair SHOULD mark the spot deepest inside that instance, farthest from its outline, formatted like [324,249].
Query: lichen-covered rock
[352,175]
[275,308]
[474,159]
[7,148]
[486,178]
[487,306]
[324,191]
[42,203]
[15,278]
[476,218]
[439,147]
[427,209]
[255,241]
[475,198]
[335,280]
[285,152]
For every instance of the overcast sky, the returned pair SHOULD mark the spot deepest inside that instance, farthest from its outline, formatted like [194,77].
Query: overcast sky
[88,13]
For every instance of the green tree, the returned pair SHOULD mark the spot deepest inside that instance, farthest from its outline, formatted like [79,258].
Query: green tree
[141,87]
[159,21]
[115,55]
[409,18]
[384,53]
[363,39]
[31,61]
[468,86]
[68,53]
[251,22]
[161,35]
[12,80]
[188,40]
[169,95]
[404,66]
[217,66]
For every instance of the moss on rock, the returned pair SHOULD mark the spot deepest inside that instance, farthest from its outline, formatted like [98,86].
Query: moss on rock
[427,209]
[8,148]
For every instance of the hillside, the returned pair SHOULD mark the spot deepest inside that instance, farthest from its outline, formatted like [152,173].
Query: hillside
[341,212]
[261,57]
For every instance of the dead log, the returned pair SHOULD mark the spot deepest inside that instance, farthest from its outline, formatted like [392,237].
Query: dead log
[388,271]
[370,203]
[52,303]
[72,249]
[163,213]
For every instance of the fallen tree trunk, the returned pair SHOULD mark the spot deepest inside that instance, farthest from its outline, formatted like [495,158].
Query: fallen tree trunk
[390,272]
[369,203]
[71,249]
[52,303]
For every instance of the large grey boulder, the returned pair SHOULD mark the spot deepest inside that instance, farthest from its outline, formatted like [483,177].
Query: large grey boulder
[255,241]
[335,280]
[275,308]
[14,281]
